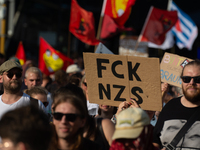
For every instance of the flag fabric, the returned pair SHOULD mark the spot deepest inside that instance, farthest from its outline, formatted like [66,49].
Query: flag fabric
[185,30]
[51,60]
[119,10]
[167,44]
[20,54]
[82,24]
[111,28]
[157,24]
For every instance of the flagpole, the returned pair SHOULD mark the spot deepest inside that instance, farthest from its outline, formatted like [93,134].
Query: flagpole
[140,36]
[100,21]
[172,50]
[169,5]
[69,46]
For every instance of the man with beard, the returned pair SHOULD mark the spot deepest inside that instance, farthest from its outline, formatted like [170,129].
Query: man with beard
[13,97]
[178,111]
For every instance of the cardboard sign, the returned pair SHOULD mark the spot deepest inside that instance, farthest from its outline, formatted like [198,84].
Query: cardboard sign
[171,68]
[127,45]
[112,79]
[103,49]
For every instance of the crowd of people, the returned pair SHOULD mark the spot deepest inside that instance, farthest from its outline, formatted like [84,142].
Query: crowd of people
[40,112]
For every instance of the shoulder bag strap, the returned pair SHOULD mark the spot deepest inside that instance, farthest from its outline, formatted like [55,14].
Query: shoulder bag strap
[184,129]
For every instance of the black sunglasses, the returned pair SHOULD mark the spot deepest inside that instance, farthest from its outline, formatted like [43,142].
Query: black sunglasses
[69,117]
[85,83]
[187,79]
[45,104]
[11,74]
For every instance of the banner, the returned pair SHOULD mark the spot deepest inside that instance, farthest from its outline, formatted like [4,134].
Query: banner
[51,60]
[127,45]
[157,24]
[82,24]
[171,68]
[20,54]
[112,79]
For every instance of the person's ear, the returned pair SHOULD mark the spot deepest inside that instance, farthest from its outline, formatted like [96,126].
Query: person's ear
[1,78]
[25,81]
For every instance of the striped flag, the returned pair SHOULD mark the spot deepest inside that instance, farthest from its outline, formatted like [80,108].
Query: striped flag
[184,30]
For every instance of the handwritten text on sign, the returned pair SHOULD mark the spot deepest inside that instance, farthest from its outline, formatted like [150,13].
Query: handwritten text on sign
[112,79]
[171,68]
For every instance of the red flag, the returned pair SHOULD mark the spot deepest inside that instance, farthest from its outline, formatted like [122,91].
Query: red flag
[119,10]
[158,23]
[110,28]
[51,60]
[82,24]
[20,54]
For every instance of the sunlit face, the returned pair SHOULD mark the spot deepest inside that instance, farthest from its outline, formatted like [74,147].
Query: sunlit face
[12,83]
[106,108]
[66,129]
[191,90]
[32,80]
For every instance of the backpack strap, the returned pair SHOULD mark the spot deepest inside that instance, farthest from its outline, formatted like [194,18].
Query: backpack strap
[34,102]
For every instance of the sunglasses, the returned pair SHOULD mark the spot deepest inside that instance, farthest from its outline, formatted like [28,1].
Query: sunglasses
[45,104]
[11,74]
[69,117]
[187,79]
[85,83]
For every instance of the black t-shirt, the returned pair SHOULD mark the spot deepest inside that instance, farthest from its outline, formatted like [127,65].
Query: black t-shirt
[171,119]
[87,144]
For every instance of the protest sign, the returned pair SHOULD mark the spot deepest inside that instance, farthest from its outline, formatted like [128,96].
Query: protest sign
[112,79]
[171,68]
[127,45]
[103,49]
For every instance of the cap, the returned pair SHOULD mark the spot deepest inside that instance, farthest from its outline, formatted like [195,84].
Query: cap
[73,68]
[9,64]
[130,123]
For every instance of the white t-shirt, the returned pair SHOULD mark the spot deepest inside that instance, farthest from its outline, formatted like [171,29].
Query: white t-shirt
[23,101]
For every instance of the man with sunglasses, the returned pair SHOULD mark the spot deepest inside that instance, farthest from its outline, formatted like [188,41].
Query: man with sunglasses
[178,111]
[13,97]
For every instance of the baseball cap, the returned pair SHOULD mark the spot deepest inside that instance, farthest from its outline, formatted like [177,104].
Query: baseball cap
[130,123]
[9,64]
[73,68]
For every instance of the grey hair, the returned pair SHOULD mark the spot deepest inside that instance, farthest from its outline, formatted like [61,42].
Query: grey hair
[33,70]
